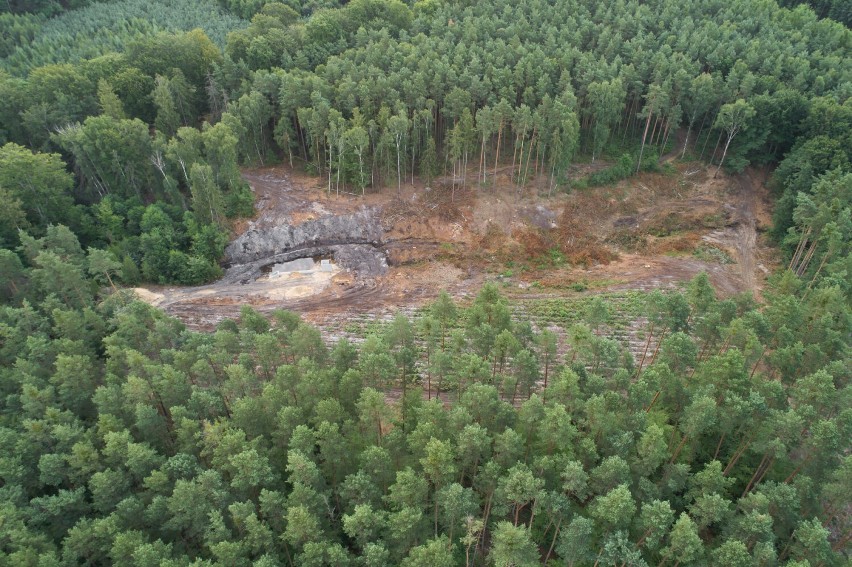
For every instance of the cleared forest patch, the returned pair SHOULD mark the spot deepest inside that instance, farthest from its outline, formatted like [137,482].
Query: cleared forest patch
[653,231]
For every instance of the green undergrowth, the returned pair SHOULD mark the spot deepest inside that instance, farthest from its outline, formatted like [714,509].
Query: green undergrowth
[712,254]
[566,311]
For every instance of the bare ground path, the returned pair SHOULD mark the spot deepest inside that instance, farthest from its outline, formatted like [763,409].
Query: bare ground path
[677,147]
[741,236]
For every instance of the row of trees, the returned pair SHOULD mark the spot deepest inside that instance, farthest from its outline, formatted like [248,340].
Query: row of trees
[834,9]
[127,439]
[43,7]
[819,159]
[410,83]
[248,8]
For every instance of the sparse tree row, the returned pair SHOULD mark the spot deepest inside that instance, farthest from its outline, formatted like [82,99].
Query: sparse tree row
[835,9]
[464,437]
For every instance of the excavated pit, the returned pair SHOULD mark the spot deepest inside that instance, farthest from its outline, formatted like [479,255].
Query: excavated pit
[352,241]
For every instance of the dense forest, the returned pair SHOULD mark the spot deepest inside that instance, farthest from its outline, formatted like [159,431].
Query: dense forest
[128,440]
[834,9]
[465,435]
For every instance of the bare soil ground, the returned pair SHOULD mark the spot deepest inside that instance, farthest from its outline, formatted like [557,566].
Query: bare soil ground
[650,231]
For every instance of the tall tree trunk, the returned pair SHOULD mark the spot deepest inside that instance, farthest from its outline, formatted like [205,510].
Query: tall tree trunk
[532,514]
[724,153]
[644,136]
[546,366]
[481,176]
[329,178]
[497,153]
[719,446]
[435,496]
[398,173]
[486,515]
[529,156]
[686,140]
[800,247]
[678,449]
[654,130]
[736,456]
[631,116]
[666,134]
[645,350]
[716,147]
[707,138]
[464,171]
[759,472]
[807,259]
[515,155]
[453,184]
[553,541]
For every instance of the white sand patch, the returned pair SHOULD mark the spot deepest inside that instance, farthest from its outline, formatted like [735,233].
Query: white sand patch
[148,296]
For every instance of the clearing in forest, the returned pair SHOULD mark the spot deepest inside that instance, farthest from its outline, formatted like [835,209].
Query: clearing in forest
[652,231]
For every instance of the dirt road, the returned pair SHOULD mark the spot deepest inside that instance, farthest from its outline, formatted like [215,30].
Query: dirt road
[741,236]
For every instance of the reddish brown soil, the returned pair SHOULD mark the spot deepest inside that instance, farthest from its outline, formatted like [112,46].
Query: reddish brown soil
[639,234]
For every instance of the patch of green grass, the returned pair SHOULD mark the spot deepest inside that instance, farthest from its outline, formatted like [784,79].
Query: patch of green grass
[668,168]
[712,254]
[669,225]
[566,311]
[373,328]
[603,283]
[579,184]
[352,328]
[716,220]
[552,258]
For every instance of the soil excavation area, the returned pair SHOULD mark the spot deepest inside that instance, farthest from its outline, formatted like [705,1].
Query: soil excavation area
[371,255]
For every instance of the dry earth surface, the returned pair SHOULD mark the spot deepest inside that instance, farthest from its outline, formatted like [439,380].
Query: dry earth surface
[653,231]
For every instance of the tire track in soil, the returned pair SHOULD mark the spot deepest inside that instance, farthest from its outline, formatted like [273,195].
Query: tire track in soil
[746,231]
[741,235]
